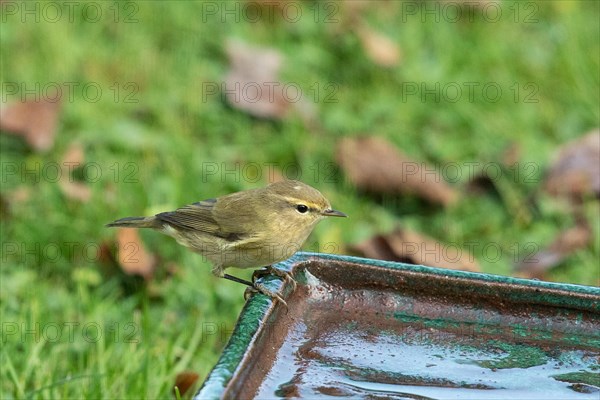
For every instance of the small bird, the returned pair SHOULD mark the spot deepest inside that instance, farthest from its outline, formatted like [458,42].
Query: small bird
[248,229]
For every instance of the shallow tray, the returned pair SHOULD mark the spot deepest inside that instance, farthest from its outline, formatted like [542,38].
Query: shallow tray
[374,329]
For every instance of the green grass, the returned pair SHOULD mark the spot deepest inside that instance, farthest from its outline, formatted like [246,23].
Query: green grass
[74,326]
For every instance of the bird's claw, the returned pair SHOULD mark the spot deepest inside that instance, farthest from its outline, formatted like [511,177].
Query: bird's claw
[270,270]
[287,277]
[259,273]
[260,288]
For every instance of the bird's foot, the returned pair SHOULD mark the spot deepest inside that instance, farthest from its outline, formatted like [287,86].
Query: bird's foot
[270,270]
[255,287]
[259,273]
[261,288]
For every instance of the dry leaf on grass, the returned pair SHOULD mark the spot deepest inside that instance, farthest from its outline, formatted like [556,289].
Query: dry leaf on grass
[472,3]
[105,254]
[511,156]
[255,13]
[481,184]
[35,121]
[415,248]
[348,15]
[185,381]
[10,198]
[275,175]
[484,180]
[373,164]
[4,206]
[73,158]
[575,171]
[380,49]
[20,194]
[353,10]
[75,190]
[132,255]
[252,84]
[565,244]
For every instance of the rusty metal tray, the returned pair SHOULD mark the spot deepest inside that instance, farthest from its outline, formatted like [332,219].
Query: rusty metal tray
[372,329]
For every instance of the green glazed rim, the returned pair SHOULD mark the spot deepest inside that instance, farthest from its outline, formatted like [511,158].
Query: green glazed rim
[258,307]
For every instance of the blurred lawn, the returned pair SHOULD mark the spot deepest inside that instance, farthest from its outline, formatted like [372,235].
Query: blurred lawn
[76,327]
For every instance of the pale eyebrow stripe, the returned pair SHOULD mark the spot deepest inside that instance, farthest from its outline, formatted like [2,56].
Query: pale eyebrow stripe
[312,206]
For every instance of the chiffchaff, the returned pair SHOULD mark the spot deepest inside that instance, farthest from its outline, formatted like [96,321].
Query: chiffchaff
[248,229]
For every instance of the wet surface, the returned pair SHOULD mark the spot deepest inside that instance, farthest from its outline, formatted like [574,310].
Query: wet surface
[404,336]
[414,363]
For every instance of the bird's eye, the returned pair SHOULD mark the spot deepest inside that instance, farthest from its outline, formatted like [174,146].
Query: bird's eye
[302,209]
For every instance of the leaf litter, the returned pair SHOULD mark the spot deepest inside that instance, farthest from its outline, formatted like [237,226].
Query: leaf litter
[35,121]
[374,165]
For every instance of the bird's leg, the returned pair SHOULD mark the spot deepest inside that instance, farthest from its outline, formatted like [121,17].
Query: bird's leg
[219,272]
[260,288]
[254,287]
[238,280]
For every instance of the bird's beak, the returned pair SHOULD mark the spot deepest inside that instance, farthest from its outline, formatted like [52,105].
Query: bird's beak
[333,213]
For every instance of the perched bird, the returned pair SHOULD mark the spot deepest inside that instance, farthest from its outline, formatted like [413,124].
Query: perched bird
[248,229]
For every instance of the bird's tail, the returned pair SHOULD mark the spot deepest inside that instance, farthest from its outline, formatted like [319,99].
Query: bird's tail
[135,222]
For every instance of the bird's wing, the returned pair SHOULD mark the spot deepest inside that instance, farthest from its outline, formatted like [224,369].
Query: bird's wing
[197,217]
[213,216]
[247,222]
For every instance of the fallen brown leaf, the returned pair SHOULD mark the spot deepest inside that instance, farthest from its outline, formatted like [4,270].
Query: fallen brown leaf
[472,3]
[252,84]
[4,206]
[35,121]
[73,158]
[185,381]
[10,198]
[380,49]
[20,194]
[274,175]
[75,190]
[75,155]
[173,268]
[350,14]
[281,4]
[575,171]
[565,244]
[373,164]
[132,255]
[481,182]
[105,254]
[410,247]
[511,155]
